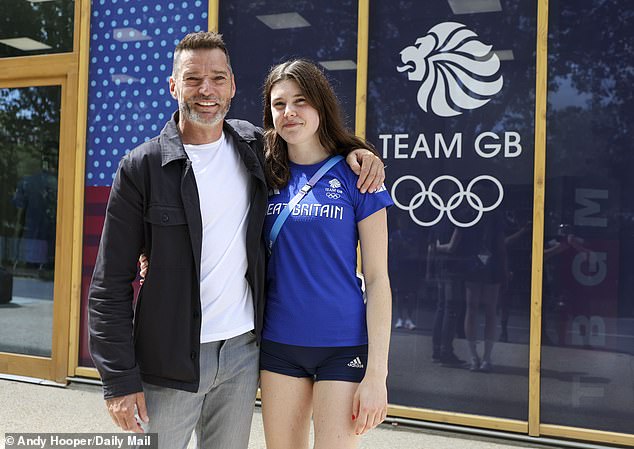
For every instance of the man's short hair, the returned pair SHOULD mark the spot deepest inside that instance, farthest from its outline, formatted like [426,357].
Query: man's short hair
[200,40]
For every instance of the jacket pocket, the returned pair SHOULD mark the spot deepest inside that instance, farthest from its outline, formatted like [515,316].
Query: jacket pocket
[165,215]
[168,244]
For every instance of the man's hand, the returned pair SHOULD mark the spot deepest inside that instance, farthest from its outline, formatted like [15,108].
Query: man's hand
[369,167]
[144,264]
[121,411]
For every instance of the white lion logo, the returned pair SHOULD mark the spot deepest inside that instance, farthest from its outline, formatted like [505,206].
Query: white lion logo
[458,71]
[334,183]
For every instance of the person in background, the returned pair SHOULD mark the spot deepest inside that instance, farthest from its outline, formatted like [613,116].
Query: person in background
[486,275]
[444,254]
[405,244]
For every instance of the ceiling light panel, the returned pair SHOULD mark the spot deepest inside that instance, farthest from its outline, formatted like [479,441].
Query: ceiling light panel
[121,78]
[25,44]
[129,35]
[283,21]
[474,6]
[342,64]
[505,55]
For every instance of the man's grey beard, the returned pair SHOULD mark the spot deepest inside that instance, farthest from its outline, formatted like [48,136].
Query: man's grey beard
[190,114]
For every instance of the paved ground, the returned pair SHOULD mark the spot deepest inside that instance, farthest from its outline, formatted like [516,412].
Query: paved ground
[26,407]
[581,386]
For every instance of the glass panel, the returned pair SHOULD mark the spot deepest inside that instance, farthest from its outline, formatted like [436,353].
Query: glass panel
[451,107]
[325,32]
[36,27]
[588,305]
[129,102]
[29,141]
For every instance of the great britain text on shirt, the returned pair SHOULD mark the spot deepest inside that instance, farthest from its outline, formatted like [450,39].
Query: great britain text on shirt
[315,210]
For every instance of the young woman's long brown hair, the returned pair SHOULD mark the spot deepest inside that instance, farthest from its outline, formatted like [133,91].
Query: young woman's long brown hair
[333,135]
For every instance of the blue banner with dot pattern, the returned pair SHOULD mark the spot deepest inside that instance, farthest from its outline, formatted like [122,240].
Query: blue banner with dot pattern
[131,49]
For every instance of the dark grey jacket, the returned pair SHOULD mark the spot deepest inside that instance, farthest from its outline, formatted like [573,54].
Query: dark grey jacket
[154,208]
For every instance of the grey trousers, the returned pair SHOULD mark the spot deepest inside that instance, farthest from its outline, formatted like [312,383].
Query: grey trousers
[220,412]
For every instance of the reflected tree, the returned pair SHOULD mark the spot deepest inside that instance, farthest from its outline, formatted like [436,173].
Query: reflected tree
[590,116]
[600,67]
[29,135]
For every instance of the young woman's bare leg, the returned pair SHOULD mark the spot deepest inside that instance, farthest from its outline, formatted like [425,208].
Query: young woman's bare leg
[332,415]
[286,410]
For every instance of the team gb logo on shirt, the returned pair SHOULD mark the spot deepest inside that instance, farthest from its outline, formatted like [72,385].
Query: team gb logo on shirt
[334,191]
[457,72]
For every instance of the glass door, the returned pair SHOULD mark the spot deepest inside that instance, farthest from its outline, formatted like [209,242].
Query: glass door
[36,174]
[29,155]
[588,307]
[446,113]
[38,164]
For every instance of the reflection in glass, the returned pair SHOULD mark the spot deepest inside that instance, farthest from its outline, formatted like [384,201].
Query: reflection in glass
[455,126]
[29,141]
[34,28]
[588,306]
[325,32]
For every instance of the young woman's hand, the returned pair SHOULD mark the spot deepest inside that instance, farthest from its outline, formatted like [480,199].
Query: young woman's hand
[369,406]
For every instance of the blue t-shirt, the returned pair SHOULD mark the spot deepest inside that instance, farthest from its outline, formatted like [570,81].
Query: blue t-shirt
[313,294]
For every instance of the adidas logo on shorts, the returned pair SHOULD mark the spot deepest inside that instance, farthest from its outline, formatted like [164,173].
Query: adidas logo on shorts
[356,363]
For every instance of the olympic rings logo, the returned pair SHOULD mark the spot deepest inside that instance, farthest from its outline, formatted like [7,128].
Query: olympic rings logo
[454,201]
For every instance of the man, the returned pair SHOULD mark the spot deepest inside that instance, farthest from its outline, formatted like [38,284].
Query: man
[193,200]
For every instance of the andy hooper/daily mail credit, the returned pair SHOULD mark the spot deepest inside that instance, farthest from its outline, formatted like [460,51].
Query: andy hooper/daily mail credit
[81,440]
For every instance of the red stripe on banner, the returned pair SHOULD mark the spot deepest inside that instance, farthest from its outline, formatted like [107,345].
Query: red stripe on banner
[95,201]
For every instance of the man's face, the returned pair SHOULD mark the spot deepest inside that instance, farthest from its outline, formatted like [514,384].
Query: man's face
[203,87]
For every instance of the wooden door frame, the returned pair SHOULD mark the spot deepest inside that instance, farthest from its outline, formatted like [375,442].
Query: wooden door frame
[54,70]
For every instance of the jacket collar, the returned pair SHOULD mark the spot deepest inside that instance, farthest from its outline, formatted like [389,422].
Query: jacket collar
[172,144]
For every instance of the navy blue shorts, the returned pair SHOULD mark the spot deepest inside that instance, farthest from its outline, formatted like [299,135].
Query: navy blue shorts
[345,363]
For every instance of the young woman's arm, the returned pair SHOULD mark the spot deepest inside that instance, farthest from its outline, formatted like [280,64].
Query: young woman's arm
[370,401]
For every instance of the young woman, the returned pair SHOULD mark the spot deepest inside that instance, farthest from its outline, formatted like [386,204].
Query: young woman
[324,350]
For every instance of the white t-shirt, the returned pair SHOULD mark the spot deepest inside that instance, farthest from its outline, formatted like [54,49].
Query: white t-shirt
[223,190]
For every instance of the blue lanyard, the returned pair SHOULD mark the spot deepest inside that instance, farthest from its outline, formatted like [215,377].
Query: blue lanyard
[281,218]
